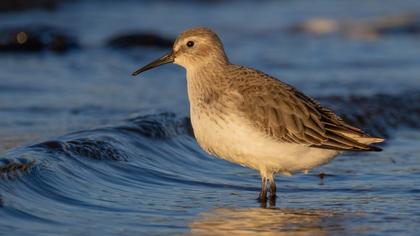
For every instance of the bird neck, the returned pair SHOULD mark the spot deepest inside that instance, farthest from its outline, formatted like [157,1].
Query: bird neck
[206,81]
[206,64]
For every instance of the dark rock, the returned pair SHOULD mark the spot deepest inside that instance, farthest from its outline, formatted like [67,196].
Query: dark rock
[18,5]
[36,38]
[140,40]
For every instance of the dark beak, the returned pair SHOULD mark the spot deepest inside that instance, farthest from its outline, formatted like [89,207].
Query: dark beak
[165,59]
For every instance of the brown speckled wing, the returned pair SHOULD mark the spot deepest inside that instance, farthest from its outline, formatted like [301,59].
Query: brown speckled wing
[287,115]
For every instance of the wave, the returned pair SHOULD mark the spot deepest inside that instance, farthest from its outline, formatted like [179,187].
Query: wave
[378,115]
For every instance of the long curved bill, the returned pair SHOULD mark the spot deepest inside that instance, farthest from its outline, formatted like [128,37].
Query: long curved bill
[165,59]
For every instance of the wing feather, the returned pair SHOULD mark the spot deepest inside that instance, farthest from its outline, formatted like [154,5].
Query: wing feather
[286,114]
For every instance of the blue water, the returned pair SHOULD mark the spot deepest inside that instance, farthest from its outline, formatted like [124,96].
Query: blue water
[85,149]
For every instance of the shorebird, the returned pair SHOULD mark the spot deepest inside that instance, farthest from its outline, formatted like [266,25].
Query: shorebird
[247,117]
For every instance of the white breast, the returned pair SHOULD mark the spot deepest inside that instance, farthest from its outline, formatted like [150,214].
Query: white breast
[234,140]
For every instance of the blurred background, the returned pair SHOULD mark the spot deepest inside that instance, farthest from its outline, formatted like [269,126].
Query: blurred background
[67,98]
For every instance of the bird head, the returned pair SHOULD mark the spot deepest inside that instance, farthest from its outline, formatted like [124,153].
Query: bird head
[193,49]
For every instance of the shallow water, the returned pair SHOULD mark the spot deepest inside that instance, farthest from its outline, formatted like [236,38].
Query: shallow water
[86,149]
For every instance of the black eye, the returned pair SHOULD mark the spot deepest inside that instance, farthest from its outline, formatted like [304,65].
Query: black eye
[190,44]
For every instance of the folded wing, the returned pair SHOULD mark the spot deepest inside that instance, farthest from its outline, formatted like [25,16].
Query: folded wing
[287,115]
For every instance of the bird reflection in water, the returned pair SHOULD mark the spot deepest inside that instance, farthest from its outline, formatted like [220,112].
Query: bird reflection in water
[272,221]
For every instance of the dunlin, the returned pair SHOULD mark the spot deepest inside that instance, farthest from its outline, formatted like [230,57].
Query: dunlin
[248,117]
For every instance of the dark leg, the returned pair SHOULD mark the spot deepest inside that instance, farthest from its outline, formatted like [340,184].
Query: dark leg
[273,188]
[272,201]
[263,193]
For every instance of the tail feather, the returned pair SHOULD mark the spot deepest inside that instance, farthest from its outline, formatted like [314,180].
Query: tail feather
[366,139]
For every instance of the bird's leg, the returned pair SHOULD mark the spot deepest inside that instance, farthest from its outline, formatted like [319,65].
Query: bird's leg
[263,193]
[273,188]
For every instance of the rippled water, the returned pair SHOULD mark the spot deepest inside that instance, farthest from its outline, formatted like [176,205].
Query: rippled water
[86,149]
